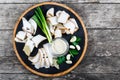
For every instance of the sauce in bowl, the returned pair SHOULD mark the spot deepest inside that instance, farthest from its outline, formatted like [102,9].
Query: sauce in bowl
[59,47]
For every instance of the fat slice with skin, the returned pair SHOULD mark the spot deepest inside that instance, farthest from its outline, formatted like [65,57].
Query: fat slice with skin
[51,27]
[47,63]
[58,13]
[75,23]
[53,20]
[35,58]
[34,25]
[61,27]
[21,35]
[38,39]
[29,36]
[27,26]
[42,58]
[50,12]
[58,33]
[20,41]
[63,17]
[38,63]
[28,48]
[50,57]
[70,26]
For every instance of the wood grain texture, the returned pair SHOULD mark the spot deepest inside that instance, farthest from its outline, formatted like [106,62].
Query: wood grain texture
[71,76]
[93,15]
[21,1]
[101,43]
[63,1]
[88,65]
[88,1]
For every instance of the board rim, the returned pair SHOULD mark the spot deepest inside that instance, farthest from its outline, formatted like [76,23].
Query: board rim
[80,58]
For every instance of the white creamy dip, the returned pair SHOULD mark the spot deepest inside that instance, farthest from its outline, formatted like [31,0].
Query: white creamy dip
[59,46]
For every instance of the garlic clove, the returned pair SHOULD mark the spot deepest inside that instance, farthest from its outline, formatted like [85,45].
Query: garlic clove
[69,62]
[72,47]
[78,47]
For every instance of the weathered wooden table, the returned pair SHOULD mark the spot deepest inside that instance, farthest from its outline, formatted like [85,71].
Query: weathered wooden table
[102,60]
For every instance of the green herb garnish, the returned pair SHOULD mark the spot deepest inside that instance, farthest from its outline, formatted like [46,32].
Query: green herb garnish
[73,52]
[61,59]
[77,41]
[41,22]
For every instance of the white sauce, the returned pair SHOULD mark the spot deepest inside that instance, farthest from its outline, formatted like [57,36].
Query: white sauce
[59,46]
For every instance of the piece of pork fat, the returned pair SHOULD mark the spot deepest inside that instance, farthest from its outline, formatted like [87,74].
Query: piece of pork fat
[50,57]
[34,25]
[50,12]
[75,23]
[20,41]
[58,33]
[63,17]
[51,27]
[46,60]
[28,48]
[38,39]
[27,26]
[38,63]
[42,58]
[21,35]
[35,58]
[61,27]
[53,20]
[70,26]
[58,13]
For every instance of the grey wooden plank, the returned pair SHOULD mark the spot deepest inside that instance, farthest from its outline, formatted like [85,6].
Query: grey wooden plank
[101,43]
[88,65]
[22,1]
[70,76]
[93,15]
[88,1]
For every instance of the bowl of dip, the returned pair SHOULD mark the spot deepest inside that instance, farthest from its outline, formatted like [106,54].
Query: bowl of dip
[59,47]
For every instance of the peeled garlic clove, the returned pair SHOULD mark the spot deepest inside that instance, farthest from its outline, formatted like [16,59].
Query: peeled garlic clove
[63,17]
[73,39]
[34,25]
[38,39]
[68,57]
[78,47]
[72,47]
[50,12]
[69,62]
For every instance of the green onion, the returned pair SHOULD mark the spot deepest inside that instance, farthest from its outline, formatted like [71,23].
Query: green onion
[41,22]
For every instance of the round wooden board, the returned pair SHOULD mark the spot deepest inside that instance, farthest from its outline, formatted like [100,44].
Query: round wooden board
[60,73]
